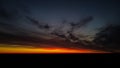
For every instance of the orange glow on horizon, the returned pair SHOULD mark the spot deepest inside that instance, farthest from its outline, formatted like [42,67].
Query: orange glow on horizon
[45,50]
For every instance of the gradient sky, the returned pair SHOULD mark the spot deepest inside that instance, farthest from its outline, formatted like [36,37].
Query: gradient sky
[55,11]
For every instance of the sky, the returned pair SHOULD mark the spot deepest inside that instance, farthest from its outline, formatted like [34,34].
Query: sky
[54,12]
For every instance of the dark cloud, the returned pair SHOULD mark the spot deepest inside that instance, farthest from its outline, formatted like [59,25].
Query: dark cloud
[40,25]
[108,37]
[82,22]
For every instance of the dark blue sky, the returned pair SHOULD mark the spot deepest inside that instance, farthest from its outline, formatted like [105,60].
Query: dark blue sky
[54,11]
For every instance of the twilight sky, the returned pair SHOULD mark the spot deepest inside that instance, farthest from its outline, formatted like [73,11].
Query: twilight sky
[54,12]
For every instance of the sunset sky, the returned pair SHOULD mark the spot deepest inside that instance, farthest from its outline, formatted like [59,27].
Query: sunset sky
[13,19]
